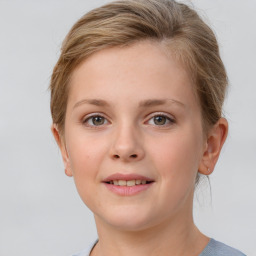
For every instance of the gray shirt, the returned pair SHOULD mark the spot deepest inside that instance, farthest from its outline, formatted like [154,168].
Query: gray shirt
[213,248]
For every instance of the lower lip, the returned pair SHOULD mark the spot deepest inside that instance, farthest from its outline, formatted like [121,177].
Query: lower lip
[126,190]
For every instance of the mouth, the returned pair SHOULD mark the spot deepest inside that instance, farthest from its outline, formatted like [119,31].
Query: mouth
[127,184]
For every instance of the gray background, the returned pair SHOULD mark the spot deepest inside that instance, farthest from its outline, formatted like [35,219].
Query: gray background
[39,206]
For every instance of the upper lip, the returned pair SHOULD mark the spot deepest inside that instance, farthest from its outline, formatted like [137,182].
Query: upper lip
[131,176]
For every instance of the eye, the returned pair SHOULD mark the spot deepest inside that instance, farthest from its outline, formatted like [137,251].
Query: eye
[161,120]
[95,120]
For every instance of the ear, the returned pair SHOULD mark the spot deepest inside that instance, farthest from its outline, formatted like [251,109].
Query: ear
[61,143]
[213,145]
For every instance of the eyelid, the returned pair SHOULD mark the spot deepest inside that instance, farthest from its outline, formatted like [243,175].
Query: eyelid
[149,117]
[95,114]
[168,116]
[161,114]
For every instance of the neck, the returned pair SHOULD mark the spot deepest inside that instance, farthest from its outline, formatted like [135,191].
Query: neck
[177,237]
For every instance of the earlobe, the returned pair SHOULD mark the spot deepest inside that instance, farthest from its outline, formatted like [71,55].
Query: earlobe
[215,140]
[62,146]
[68,172]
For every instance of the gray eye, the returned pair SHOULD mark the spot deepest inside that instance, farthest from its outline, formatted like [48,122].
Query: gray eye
[160,120]
[98,120]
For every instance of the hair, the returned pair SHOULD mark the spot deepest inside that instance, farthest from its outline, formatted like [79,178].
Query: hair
[121,23]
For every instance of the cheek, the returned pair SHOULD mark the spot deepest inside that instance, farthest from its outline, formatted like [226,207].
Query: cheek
[178,156]
[86,154]
[84,150]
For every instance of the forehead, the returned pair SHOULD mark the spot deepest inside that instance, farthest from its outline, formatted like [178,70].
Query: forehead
[146,67]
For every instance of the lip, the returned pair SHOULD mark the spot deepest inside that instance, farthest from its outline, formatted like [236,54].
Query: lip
[131,176]
[126,190]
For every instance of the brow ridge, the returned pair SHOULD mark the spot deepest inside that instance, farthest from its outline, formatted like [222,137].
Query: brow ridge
[96,102]
[157,102]
[144,103]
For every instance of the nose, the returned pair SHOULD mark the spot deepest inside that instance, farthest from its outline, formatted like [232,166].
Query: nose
[127,144]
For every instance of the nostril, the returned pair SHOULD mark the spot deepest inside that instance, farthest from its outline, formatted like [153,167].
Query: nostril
[133,156]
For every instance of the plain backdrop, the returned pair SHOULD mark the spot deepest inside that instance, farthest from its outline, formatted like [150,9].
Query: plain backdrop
[40,211]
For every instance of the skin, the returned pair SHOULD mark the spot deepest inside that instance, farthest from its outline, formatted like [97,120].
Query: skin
[128,87]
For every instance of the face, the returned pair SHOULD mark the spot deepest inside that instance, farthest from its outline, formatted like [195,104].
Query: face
[133,136]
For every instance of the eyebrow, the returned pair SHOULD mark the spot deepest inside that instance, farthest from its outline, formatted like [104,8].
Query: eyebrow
[144,103]
[95,102]
[158,102]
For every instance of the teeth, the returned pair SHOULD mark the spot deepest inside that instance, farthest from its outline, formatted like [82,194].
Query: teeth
[128,183]
[122,183]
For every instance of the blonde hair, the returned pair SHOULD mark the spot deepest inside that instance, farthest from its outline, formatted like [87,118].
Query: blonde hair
[123,23]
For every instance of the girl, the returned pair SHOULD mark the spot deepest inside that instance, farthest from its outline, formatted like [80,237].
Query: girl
[136,102]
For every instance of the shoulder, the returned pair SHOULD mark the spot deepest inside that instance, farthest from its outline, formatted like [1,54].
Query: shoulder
[215,248]
[87,251]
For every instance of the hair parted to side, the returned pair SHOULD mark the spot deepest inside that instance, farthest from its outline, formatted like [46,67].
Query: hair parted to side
[124,22]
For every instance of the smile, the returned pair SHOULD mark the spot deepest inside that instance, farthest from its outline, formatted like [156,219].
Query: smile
[128,183]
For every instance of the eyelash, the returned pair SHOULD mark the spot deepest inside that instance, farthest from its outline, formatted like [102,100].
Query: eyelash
[170,120]
[167,118]
[95,115]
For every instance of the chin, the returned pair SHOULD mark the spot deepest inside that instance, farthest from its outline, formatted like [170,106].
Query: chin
[127,219]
